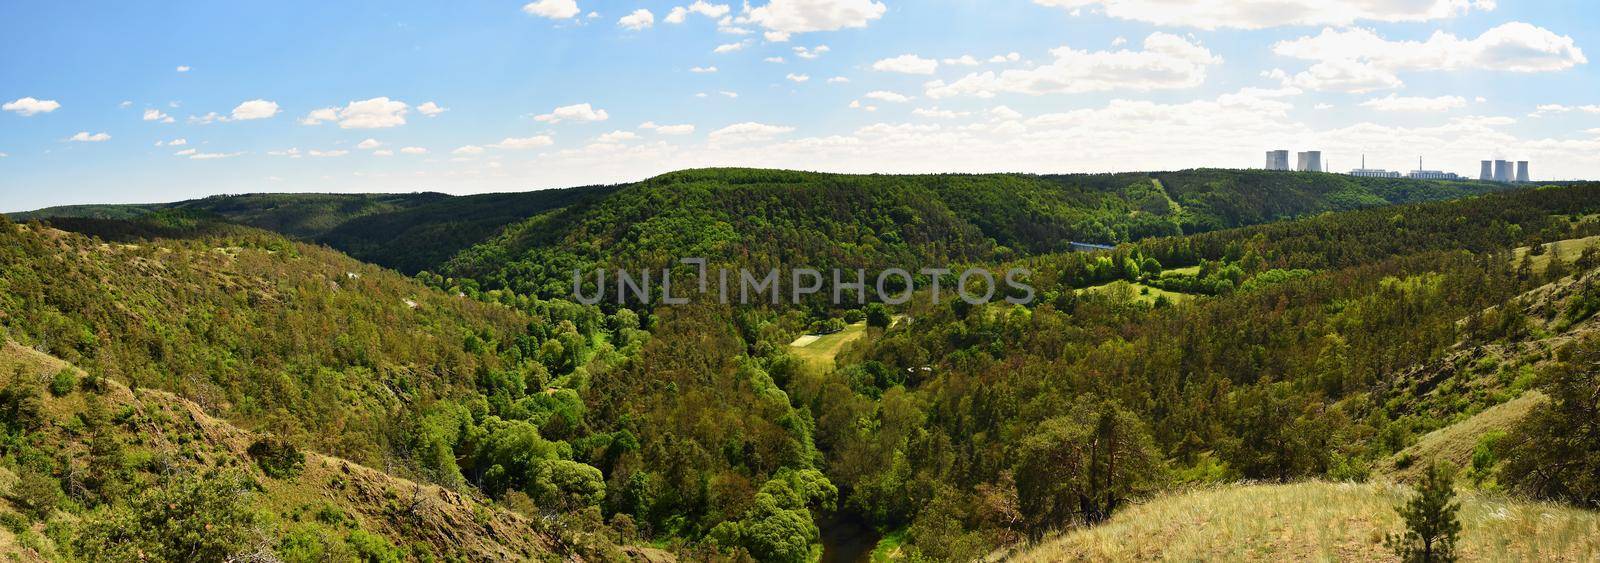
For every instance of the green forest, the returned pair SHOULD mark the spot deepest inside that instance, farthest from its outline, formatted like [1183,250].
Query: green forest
[407,377]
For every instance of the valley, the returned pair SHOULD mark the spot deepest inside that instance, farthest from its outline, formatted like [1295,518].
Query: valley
[407,376]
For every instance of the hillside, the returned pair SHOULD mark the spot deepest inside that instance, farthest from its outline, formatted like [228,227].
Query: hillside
[768,217]
[878,216]
[1315,521]
[122,445]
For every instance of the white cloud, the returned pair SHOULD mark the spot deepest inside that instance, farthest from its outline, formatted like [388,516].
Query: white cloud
[86,137]
[212,155]
[1344,76]
[30,106]
[804,16]
[3,155]
[617,137]
[178,142]
[183,68]
[963,60]
[515,143]
[729,94]
[553,9]
[856,104]
[1014,57]
[369,144]
[125,104]
[413,150]
[728,47]
[746,132]
[375,113]
[797,77]
[707,9]
[255,109]
[1363,57]
[468,149]
[907,64]
[1004,113]
[431,109]
[812,52]
[156,115]
[637,20]
[327,154]
[1257,14]
[775,36]
[1167,62]
[383,152]
[838,80]
[778,60]
[935,112]
[292,152]
[188,152]
[576,112]
[683,129]
[1415,104]
[887,96]
[703,69]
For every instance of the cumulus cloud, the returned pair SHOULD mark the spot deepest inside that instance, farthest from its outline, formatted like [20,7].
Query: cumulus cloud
[30,106]
[327,154]
[683,129]
[935,112]
[431,109]
[703,69]
[384,152]
[963,60]
[369,144]
[887,96]
[515,143]
[617,137]
[183,68]
[190,152]
[792,77]
[707,9]
[804,16]
[1359,59]
[156,115]
[906,64]
[1415,104]
[254,109]
[575,112]
[86,137]
[838,80]
[728,47]
[375,113]
[746,132]
[212,155]
[1257,14]
[1167,62]
[468,149]
[637,20]
[553,9]
[413,150]
[811,53]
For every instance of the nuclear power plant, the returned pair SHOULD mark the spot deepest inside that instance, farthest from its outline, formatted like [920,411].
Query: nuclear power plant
[1307,161]
[1504,171]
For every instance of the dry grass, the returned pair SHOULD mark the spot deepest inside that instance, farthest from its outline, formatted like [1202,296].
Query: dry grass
[1316,521]
[1455,443]
[1568,250]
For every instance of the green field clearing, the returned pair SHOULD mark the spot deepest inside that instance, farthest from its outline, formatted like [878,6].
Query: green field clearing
[1139,291]
[1569,250]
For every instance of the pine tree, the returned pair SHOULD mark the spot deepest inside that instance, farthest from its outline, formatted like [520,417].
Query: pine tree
[1431,523]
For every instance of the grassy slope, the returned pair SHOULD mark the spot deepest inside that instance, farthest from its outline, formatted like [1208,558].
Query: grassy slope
[449,522]
[818,354]
[1316,521]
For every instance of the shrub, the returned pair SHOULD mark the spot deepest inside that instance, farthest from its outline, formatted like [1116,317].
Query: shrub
[278,458]
[63,382]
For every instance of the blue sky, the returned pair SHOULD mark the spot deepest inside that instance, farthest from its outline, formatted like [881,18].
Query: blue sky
[463,98]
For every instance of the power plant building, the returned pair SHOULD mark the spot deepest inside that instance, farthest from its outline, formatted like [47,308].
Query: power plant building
[1278,160]
[1487,173]
[1522,171]
[1503,171]
[1309,161]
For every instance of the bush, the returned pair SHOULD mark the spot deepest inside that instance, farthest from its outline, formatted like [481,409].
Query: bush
[63,382]
[278,458]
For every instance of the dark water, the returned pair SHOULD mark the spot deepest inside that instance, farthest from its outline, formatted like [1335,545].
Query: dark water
[846,538]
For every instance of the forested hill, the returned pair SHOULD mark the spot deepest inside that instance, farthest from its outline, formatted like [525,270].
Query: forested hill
[771,217]
[864,217]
